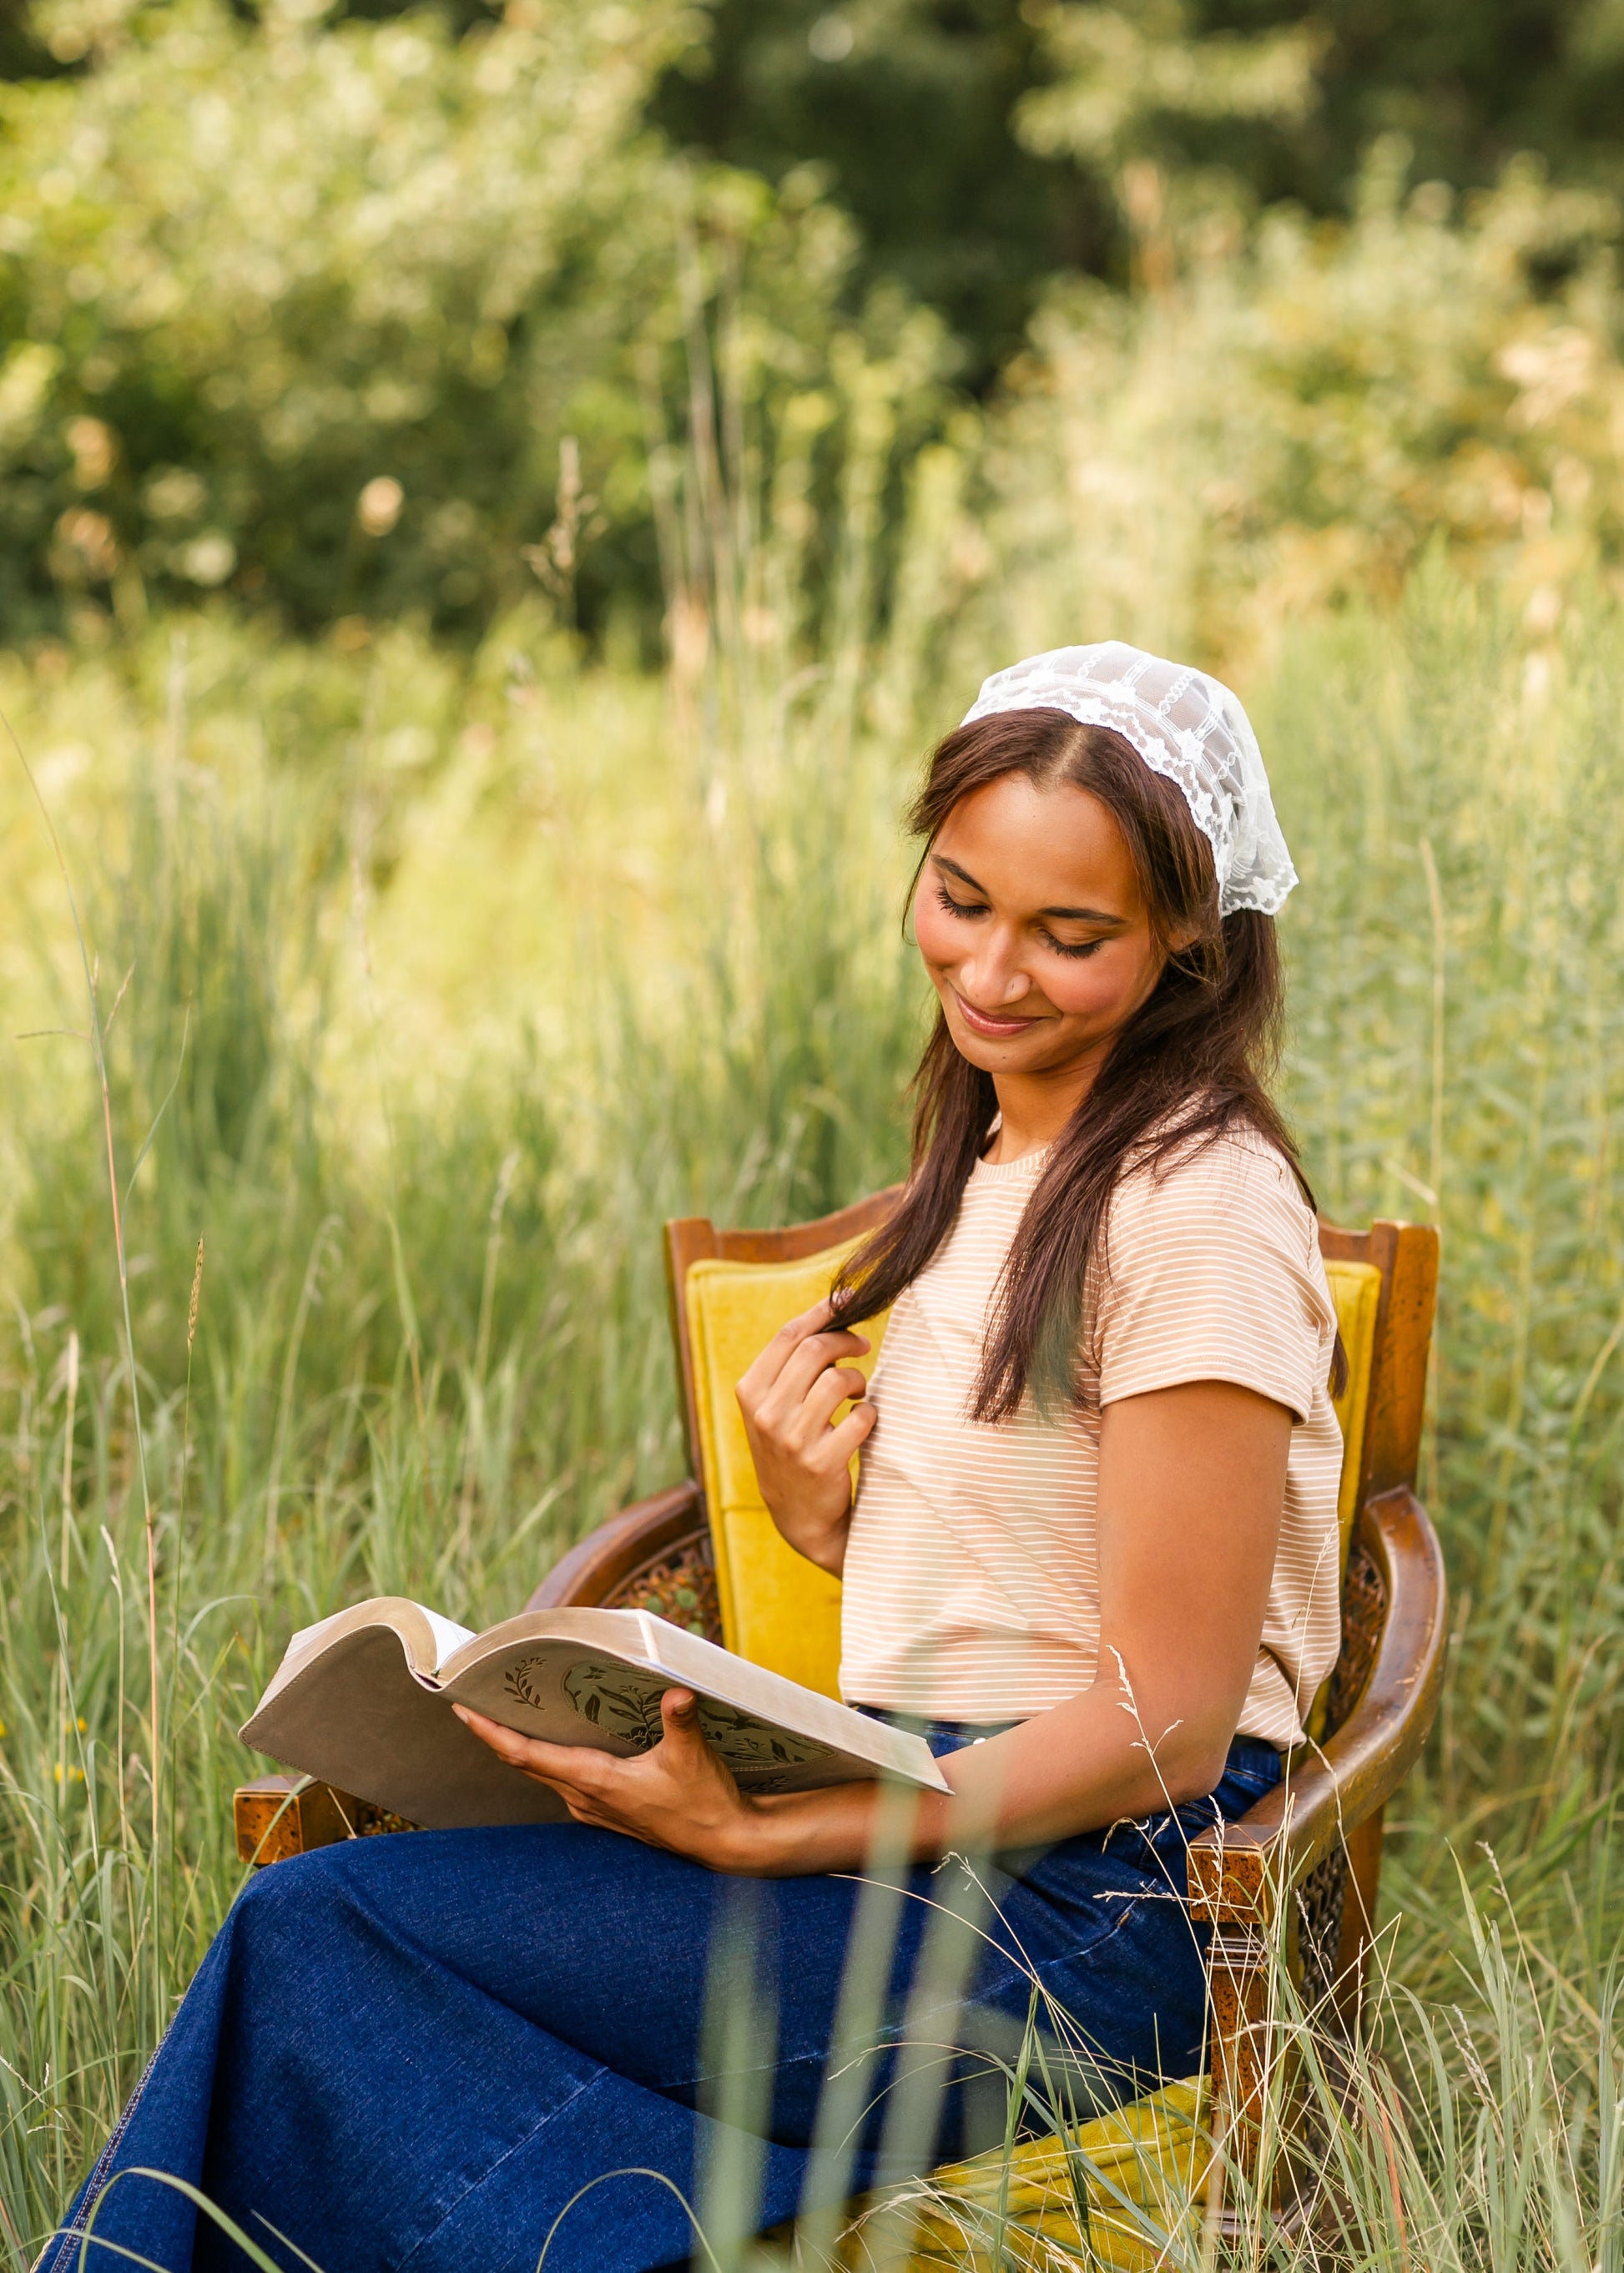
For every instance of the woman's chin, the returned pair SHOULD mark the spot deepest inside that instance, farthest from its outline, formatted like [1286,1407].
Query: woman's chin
[991,1054]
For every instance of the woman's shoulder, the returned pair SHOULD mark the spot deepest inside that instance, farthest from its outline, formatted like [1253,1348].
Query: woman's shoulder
[1215,1187]
[1212,1270]
[1235,1159]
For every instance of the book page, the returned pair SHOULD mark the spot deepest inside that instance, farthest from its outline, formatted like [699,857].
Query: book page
[786,1704]
[566,1694]
[448,1636]
[596,1677]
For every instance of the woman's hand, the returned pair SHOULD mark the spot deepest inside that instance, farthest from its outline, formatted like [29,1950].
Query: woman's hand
[788,1399]
[680,1795]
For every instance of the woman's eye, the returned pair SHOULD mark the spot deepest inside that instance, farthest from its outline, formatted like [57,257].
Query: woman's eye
[952,907]
[1075,948]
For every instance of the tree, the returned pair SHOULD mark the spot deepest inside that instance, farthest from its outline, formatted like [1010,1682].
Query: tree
[983,145]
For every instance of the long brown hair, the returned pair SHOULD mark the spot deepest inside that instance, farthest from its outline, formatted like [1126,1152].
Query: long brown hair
[1192,1062]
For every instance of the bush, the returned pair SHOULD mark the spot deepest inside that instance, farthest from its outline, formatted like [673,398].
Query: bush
[354,320]
[1287,420]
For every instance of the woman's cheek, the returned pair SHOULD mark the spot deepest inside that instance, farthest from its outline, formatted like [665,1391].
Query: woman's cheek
[1091,987]
[938,935]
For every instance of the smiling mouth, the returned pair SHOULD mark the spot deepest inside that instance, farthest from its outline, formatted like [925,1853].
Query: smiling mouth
[996,1030]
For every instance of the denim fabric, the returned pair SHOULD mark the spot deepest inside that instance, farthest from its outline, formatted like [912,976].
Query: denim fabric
[412,2052]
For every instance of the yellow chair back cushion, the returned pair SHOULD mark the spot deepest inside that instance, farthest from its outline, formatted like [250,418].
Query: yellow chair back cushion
[1356,1290]
[1145,2166]
[777,1609]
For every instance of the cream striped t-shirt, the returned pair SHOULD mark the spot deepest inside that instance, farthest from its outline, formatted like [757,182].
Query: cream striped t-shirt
[970,1581]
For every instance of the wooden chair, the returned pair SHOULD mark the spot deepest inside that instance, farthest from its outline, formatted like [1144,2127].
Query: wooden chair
[1300,1872]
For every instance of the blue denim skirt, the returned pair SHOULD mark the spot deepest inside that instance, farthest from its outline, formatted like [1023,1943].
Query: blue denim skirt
[439,2051]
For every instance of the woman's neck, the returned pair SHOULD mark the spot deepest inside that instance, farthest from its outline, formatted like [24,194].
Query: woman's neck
[1034,1108]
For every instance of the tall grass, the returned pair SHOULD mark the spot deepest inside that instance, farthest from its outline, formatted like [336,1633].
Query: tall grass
[442,984]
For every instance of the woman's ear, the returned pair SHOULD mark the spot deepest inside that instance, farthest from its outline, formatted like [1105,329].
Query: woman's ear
[1183,945]
[1204,929]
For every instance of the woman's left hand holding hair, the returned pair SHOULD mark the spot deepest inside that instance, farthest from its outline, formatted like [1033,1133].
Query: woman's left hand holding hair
[788,1400]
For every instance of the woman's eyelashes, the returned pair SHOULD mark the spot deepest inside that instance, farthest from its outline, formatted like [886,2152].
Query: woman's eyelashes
[1073,947]
[952,907]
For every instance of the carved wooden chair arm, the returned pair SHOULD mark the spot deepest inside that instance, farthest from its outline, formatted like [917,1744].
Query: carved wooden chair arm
[622,1545]
[280,1815]
[1241,1873]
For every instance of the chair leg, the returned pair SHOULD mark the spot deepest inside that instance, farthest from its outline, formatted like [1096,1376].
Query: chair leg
[1353,1958]
[1239,1974]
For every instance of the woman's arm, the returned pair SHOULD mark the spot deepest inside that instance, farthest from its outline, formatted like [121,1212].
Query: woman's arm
[1191,1487]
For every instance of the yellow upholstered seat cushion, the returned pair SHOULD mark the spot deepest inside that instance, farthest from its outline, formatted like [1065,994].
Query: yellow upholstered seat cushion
[777,1609]
[1142,2171]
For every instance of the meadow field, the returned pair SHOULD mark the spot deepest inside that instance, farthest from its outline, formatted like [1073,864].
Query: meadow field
[477,588]
[442,983]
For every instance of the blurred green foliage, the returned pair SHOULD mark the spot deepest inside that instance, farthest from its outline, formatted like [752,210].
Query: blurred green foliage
[907,107]
[356,313]
[365,321]
[981,144]
[1286,418]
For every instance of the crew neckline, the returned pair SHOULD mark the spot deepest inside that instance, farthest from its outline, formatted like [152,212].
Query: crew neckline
[1009,1172]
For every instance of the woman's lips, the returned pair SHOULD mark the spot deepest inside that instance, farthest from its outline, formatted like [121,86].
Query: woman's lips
[996,1030]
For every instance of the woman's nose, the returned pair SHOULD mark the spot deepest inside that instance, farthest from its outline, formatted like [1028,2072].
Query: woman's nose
[994,978]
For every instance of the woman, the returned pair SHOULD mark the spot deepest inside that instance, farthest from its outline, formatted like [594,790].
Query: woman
[1093,1551]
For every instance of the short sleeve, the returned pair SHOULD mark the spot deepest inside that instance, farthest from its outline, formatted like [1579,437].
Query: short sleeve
[1213,1273]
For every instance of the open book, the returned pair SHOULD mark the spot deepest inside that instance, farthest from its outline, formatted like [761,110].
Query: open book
[363,1700]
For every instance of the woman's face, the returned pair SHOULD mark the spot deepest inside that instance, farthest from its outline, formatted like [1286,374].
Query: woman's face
[1029,916]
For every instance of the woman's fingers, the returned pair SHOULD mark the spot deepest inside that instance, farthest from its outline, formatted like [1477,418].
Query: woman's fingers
[678,1795]
[508,1742]
[778,1405]
[851,1436]
[796,1355]
[778,1411]
[787,1400]
[679,1714]
[576,1766]
[827,1392]
[765,1369]
[581,1767]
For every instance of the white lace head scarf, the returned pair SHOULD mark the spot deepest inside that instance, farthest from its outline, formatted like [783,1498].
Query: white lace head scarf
[1185,725]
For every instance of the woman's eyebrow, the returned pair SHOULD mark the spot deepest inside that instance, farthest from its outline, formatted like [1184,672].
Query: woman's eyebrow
[1087,915]
[941,860]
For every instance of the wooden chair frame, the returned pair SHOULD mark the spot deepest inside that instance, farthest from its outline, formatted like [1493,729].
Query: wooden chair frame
[1306,1860]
